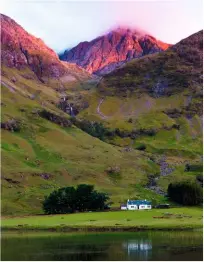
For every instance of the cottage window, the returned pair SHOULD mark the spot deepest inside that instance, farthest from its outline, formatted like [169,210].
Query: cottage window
[132,206]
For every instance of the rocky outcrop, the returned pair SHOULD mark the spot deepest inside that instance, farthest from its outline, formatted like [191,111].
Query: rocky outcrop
[12,125]
[108,52]
[20,49]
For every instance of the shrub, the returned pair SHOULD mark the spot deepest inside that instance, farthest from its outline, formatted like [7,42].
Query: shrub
[185,193]
[141,147]
[59,120]
[93,128]
[195,167]
[130,120]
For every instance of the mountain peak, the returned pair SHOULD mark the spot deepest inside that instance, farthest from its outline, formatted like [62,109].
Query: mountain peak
[109,51]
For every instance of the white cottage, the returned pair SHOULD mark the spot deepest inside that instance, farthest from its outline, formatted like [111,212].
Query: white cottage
[138,204]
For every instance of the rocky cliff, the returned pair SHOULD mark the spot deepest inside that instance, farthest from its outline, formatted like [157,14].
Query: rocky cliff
[105,53]
[20,49]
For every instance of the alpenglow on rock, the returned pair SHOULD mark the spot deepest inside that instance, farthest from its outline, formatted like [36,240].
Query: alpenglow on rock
[20,50]
[108,52]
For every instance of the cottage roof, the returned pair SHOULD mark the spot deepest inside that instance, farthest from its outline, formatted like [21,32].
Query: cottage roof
[138,202]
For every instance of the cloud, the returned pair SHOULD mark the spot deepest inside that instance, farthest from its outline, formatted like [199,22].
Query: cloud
[63,24]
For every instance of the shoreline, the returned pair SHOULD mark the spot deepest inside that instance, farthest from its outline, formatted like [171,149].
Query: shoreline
[98,229]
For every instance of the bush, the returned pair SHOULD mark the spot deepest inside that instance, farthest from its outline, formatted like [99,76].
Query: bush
[93,128]
[70,199]
[195,167]
[59,120]
[185,193]
[141,147]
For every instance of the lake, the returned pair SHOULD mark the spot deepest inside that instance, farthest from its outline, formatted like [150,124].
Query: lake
[157,246]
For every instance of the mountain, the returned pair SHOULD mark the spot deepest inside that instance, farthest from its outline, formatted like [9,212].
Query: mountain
[154,104]
[177,69]
[21,50]
[105,53]
[123,138]
[41,148]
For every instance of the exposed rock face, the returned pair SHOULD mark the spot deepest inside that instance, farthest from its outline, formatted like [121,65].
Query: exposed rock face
[12,125]
[21,49]
[105,53]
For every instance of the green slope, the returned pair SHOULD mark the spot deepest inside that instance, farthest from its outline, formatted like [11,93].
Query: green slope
[43,156]
[152,136]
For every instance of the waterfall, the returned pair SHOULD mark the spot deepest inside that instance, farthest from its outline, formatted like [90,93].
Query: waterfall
[71,112]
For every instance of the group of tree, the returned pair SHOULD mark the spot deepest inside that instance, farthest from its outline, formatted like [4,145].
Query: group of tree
[70,199]
[99,130]
[93,128]
[185,193]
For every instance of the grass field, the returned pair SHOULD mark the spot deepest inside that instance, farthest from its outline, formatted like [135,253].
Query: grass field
[173,218]
[43,156]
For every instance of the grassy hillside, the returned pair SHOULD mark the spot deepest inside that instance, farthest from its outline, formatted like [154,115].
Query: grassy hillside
[43,156]
[146,137]
[40,155]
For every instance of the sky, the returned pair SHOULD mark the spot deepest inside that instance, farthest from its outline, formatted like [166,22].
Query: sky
[62,24]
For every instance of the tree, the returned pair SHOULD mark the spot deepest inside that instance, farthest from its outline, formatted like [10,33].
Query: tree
[185,193]
[99,200]
[70,199]
[84,197]
[60,201]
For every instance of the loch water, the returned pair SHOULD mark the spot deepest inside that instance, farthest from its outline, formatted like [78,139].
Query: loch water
[135,246]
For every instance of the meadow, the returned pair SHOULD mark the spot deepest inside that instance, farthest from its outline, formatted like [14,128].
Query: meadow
[181,218]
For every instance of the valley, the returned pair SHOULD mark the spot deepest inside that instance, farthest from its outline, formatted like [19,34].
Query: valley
[140,121]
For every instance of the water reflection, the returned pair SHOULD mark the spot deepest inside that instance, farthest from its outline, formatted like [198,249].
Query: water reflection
[140,248]
[103,246]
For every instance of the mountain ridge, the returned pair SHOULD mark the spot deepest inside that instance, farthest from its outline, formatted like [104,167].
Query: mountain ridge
[160,74]
[105,53]
[19,49]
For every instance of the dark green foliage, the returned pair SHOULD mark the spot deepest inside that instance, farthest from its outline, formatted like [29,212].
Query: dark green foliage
[93,128]
[68,200]
[84,197]
[199,179]
[60,201]
[59,120]
[190,168]
[130,120]
[185,193]
[141,147]
[98,130]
